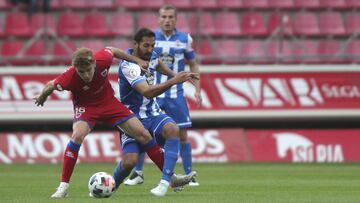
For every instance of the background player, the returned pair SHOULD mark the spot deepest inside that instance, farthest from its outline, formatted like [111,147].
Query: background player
[174,47]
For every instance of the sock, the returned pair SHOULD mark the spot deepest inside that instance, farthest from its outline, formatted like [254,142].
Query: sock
[69,160]
[185,153]
[171,155]
[140,164]
[155,153]
[120,175]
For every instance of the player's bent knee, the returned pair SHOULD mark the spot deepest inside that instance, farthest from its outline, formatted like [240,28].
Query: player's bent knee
[171,131]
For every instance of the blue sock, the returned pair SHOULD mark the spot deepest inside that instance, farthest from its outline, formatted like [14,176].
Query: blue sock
[140,164]
[185,153]
[171,155]
[73,146]
[120,175]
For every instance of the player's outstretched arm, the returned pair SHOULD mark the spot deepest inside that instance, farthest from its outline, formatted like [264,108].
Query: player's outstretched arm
[163,69]
[120,54]
[41,98]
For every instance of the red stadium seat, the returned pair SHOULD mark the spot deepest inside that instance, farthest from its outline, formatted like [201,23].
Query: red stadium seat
[206,51]
[17,24]
[305,51]
[128,4]
[227,24]
[182,23]
[70,24]
[95,24]
[353,51]
[331,23]
[74,4]
[307,3]
[280,22]
[306,24]
[40,20]
[121,27]
[183,4]
[255,3]
[94,45]
[36,49]
[63,52]
[122,44]
[204,4]
[10,48]
[149,20]
[104,4]
[352,23]
[253,24]
[228,50]
[329,51]
[332,3]
[281,3]
[152,4]
[205,22]
[231,4]
[252,51]
[353,3]
[278,51]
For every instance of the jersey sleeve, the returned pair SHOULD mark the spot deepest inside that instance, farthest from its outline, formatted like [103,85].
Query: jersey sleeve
[104,57]
[63,81]
[189,52]
[132,73]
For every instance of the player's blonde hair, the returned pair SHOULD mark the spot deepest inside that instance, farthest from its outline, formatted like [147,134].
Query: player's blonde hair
[82,57]
[167,7]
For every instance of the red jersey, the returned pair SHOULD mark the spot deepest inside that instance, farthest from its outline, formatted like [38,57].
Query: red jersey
[95,92]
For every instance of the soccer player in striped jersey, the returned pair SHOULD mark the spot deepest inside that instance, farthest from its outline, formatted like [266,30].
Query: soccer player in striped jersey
[139,94]
[175,48]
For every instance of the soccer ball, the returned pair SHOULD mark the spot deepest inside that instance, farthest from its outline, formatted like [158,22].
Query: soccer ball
[101,185]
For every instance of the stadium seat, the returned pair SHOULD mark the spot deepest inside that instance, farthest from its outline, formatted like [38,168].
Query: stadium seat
[352,23]
[128,4]
[306,23]
[205,22]
[151,4]
[103,4]
[208,4]
[182,23]
[149,20]
[121,27]
[206,51]
[73,4]
[353,3]
[10,48]
[252,51]
[255,4]
[17,24]
[230,4]
[183,4]
[227,24]
[332,4]
[331,23]
[253,24]
[95,25]
[329,51]
[305,51]
[123,44]
[63,52]
[94,45]
[70,24]
[40,20]
[275,4]
[36,50]
[280,22]
[278,51]
[309,4]
[353,51]
[228,50]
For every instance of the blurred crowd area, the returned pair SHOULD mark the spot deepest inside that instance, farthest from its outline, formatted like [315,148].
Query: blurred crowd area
[46,32]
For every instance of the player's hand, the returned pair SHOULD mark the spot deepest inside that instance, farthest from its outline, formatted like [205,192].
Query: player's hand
[198,99]
[143,64]
[185,76]
[39,100]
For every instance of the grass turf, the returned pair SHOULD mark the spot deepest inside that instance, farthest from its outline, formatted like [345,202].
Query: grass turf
[218,183]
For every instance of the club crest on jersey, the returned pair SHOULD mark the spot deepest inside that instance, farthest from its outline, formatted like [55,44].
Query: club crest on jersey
[104,73]
[177,43]
[86,88]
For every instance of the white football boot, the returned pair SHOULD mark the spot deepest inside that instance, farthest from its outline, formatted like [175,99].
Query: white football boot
[161,189]
[194,183]
[135,179]
[62,191]
[177,182]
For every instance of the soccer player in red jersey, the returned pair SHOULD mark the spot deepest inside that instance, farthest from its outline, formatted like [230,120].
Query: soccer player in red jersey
[94,100]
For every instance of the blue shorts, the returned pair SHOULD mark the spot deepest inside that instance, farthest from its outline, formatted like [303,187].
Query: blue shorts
[177,109]
[155,126]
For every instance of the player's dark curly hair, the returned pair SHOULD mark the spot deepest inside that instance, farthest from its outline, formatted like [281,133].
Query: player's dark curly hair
[143,32]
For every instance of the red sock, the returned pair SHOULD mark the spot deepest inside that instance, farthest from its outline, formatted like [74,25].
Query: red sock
[70,158]
[156,155]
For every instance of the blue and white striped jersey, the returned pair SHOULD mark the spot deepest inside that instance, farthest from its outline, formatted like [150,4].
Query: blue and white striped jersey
[130,75]
[173,51]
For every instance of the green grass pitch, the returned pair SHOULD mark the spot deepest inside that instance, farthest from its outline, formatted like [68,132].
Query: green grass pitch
[221,183]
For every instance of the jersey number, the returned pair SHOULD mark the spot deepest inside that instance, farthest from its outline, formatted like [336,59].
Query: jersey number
[79,111]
